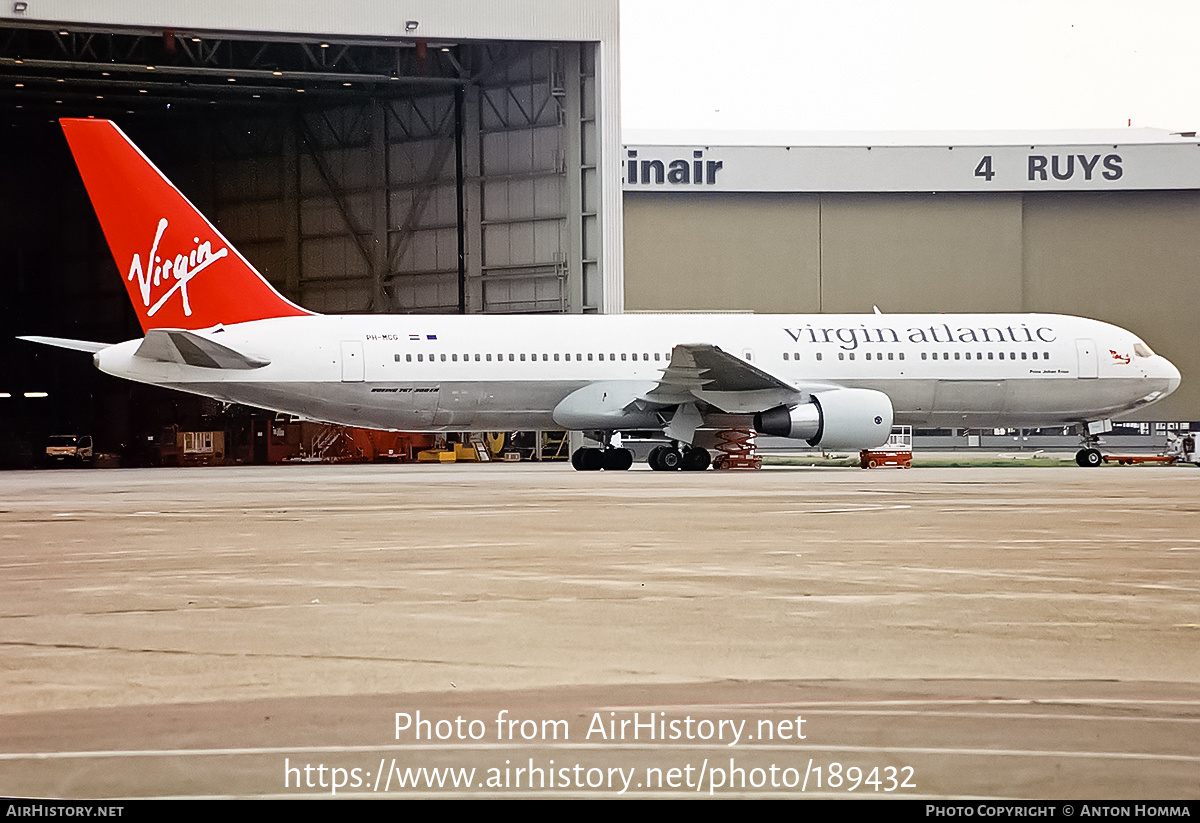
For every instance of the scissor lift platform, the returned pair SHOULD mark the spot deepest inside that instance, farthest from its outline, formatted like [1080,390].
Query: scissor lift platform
[895,453]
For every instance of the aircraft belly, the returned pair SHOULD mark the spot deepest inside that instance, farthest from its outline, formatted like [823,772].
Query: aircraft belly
[402,407]
[1027,402]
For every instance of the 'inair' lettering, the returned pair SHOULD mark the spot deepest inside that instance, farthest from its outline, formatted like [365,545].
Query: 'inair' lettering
[699,171]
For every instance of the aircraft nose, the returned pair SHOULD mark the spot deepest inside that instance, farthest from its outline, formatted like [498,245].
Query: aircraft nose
[1171,373]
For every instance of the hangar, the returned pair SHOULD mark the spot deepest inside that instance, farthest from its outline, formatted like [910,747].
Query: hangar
[412,157]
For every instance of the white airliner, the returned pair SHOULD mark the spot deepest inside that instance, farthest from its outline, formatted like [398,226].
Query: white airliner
[215,327]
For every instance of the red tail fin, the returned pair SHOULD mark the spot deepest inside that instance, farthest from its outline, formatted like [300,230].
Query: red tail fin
[179,271]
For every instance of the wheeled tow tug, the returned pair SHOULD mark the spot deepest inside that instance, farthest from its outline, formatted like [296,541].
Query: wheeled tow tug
[1181,448]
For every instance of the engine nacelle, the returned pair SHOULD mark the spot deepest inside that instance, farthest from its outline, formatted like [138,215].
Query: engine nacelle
[835,419]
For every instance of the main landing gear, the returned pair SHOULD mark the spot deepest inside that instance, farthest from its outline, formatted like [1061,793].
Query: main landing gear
[606,458]
[592,460]
[1088,457]
[675,458]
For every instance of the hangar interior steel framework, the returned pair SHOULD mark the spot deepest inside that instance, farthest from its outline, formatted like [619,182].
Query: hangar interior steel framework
[412,176]
[397,175]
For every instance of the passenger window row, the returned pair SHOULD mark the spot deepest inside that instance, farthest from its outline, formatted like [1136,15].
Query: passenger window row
[659,357]
[931,355]
[998,355]
[522,357]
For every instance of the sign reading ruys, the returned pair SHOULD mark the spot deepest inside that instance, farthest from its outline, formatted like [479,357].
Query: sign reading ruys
[1147,166]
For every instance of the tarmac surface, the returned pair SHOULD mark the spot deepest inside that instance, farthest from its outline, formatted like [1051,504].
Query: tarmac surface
[382,631]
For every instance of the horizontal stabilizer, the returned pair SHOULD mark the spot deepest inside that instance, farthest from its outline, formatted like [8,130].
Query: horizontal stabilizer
[192,349]
[65,343]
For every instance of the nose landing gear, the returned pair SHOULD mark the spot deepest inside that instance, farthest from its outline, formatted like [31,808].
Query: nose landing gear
[1089,435]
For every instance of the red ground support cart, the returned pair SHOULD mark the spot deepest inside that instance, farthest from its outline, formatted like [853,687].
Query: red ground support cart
[896,452]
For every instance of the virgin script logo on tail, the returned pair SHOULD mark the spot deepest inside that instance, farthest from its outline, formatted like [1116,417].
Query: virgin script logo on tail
[181,268]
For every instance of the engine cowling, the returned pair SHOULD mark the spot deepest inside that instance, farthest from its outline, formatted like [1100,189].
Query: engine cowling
[836,419]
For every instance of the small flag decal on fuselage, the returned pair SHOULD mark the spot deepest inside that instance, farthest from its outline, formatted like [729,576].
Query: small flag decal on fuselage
[419,337]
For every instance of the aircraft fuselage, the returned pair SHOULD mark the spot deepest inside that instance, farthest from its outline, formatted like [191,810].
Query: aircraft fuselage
[489,372]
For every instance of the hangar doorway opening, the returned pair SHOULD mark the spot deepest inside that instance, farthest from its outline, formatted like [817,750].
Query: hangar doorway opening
[358,175]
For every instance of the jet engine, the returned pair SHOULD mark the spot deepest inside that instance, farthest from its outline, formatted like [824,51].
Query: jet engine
[835,419]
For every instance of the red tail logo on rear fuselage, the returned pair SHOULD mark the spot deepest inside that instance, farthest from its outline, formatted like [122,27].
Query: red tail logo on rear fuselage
[182,268]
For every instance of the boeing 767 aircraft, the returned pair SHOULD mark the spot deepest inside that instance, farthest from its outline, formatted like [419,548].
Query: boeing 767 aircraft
[215,327]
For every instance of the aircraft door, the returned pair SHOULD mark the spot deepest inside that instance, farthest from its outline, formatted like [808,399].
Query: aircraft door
[1088,363]
[353,367]
[456,405]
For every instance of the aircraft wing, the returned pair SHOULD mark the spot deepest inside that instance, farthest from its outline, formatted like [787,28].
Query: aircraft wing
[191,349]
[701,371]
[65,343]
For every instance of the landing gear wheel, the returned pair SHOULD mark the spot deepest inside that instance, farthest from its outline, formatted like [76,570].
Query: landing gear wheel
[696,459]
[670,459]
[617,460]
[587,460]
[653,458]
[1089,458]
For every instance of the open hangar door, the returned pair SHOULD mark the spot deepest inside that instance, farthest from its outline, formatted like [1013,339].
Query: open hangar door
[406,175]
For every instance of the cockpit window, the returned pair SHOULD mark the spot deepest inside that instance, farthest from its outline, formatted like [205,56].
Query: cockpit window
[1142,350]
